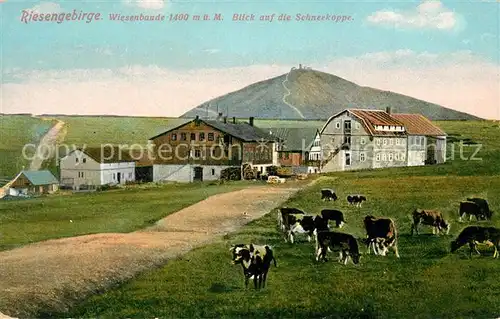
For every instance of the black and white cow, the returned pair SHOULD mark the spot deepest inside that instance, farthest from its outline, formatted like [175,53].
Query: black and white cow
[303,224]
[328,194]
[345,244]
[381,235]
[483,205]
[356,200]
[255,260]
[473,235]
[471,209]
[283,215]
[334,215]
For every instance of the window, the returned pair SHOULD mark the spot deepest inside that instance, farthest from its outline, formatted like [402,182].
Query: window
[402,156]
[391,141]
[390,157]
[76,159]
[214,153]
[287,155]
[385,141]
[193,136]
[422,141]
[337,125]
[84,160]
[213,171]
[384,157]
[347,139]
[377,158]
[362,157]
[197,153]
[202,136]
[396,156]
[210,136]
[130,175]
[174,137]
[357,125]
[378,141]
[347,159]
[347,125]
[183,136]
[398,141]
[362,141]
[114,176]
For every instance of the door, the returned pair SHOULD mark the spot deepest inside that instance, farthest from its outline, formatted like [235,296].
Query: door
[198,173]
[119,177]
[347,159]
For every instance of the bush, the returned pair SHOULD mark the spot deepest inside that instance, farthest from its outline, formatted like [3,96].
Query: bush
[272,170]
[284,172]
[231,174]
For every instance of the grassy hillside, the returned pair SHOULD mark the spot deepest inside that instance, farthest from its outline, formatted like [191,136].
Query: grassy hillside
[426,282]
[17,131]
[308,94]
[94,131]
[28,221]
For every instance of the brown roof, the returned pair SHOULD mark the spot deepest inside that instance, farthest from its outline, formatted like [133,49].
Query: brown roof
[108,154]
[371,118]
[417,124]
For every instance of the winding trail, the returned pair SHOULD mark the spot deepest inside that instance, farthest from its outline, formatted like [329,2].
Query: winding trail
[47,145]
[288,93]
[52,275]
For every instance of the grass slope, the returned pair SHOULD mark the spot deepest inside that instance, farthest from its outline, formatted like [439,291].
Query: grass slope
[317,95]
[17,131]
[426,282]
[27,221]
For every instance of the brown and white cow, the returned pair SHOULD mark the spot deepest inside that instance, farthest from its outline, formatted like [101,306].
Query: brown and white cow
[431,218]
[381,235]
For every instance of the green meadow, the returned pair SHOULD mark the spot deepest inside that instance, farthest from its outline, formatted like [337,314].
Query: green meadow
[426,282]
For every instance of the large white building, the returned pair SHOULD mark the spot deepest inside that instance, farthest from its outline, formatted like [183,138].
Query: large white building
[96,166]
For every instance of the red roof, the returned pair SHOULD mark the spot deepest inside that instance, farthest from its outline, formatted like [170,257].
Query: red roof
[371,118]
[417,124]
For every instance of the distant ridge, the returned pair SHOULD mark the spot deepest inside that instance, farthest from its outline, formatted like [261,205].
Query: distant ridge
[313,95]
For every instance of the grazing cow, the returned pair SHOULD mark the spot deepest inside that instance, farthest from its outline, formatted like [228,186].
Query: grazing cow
[283,215]
[483,204]
[356,200]
[381,234]
[328,194]
[430,218]
[255,260]
[345,244]
[470,208]
[473,235]
[334,215]
[303,224]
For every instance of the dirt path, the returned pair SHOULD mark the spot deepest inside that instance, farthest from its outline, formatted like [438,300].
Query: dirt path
[53,274]
[47,144]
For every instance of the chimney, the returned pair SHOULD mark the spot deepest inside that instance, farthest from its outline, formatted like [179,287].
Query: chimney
[388,110]
[251,121]
[234,120]
[225,119]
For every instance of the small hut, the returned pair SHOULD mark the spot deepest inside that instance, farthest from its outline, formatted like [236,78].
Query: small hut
[33,183]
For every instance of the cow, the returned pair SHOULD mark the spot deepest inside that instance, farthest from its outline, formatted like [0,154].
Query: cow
[334,215]
[328,194]
[430,218]
[470,208]
[381,234]
[303,224]
[474,235]
[283,215]
[255,260]
[483,204]
[356,200]
[345,244]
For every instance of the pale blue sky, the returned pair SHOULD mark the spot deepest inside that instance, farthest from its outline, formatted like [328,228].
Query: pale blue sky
[182,44]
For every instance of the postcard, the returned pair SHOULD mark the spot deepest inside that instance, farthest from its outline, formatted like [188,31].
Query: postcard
[244,158]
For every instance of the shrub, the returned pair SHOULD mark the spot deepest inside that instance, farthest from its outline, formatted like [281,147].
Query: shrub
[231,174]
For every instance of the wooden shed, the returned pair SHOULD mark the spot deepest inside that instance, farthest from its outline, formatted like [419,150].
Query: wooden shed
[34,183]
